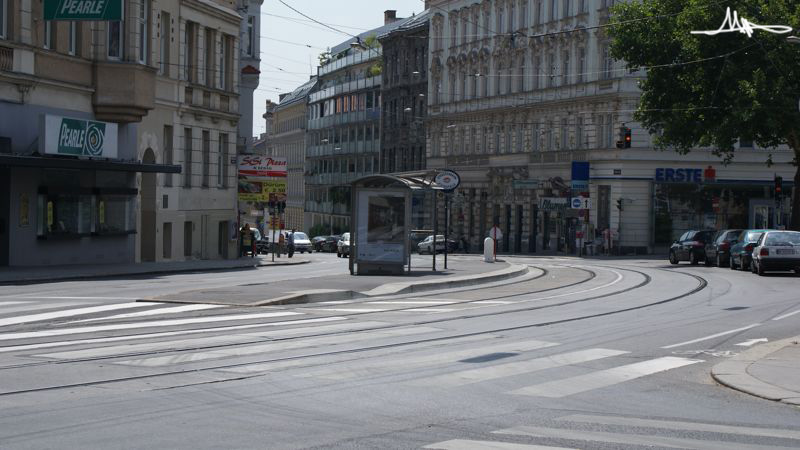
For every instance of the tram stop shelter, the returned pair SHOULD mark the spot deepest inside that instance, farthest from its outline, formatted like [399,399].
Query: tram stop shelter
[385,208]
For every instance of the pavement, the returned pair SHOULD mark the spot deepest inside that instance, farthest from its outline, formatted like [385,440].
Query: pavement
[28,275]
[770,371]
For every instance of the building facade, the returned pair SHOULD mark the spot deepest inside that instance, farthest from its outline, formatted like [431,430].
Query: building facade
[520,89]
[404,88]
[289,140]
[344,127]
[249,69]
[72,98]
[194,48]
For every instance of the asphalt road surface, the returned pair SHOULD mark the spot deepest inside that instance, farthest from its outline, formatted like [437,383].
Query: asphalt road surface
[578,354]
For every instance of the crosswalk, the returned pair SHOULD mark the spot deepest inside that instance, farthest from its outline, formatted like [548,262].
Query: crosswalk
[628,431]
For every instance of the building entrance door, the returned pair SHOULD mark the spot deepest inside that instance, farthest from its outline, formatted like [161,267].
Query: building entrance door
[148,210]
[762,214]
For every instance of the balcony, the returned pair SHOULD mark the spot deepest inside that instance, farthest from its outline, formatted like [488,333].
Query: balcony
[124,92]
[6,58]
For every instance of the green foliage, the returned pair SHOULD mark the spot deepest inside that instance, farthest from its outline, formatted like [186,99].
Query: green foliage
[320,229]
[375,69]
[324,58]
[709,91]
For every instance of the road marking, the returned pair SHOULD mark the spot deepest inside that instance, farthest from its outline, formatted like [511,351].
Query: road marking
[751,342]
[347,309]
[684,426]
[649,440]
[603,378]
[428,310]
[519,367]
[712,336]
[3,304]
[69,312]
[83,298]
[465,444]
[129,326]
[413,302]
[369,368]
[155,312]
[274,347]
[787,315]
[493,302]
[16,348]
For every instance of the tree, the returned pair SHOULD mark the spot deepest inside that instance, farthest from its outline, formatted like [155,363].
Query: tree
[711,91]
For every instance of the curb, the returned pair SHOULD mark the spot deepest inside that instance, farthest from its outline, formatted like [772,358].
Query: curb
[734,374]
[56,278]
[320,295]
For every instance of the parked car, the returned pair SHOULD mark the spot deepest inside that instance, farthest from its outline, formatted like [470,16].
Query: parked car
[301,242]
[262,243]
[718,251]
[343,246]
[426,246]
[330,244]
[742,251]
[691,246]
[317,242]
[776,250]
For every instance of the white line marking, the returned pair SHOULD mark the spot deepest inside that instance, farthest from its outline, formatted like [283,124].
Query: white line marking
[787,315]
[155,312]
[603,378]
[347,309]
[519,367]
[466,444]
[428,310]
[684,426]
[16,348]
[85,298]
[712,336]
[413,302]
[4,304]
[493,302]
[751,342]
[129,326]
[69,312]
[273,347]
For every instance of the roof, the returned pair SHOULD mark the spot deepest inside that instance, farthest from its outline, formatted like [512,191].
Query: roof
[299,93]
[410,23]
[375,31]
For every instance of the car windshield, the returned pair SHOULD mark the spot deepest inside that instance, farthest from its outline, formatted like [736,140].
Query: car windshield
[753,236]
[256,234]
[703,236]
[300,235]
[783,239]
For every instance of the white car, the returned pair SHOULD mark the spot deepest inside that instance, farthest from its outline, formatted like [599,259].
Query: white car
[343,246]
[302,243]
[426,246]
[777,250]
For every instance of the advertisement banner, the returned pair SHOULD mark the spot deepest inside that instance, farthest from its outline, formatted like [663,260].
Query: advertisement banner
[78,137]
[381,236]
[82,9]
[255,167]
[261,191]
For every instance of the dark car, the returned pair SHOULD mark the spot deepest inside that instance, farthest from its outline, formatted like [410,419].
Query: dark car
[742,251]
[718,251]
[331,243]
[691,246]
[317,242]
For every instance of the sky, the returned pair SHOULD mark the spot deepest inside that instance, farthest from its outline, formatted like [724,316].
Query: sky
[286,59]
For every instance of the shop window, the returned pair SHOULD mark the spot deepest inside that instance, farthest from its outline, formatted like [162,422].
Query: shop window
[75,214]
[116,214]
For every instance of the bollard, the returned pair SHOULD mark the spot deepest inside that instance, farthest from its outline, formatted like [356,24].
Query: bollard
[488,250]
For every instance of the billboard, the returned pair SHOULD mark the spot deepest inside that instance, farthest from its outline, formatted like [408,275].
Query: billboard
[261,191]
[78,137]
[256,167]
[381,222]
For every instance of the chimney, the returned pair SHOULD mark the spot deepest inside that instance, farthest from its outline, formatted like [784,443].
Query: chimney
[389,16]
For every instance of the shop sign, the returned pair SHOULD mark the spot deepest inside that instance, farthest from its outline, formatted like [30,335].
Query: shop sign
[79,137]
[670,175]
[256,166]
[553,203]
[260,191]
[82,9]
[581,203]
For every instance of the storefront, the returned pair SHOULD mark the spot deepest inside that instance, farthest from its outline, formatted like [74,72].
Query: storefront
[69,192]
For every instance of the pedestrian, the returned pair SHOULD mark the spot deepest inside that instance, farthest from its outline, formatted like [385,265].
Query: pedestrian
[290,241]
[281,243]
[247,240]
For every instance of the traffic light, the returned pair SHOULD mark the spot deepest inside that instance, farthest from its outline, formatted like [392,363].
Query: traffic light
[272,205]
[627,138]
[619,204]
[778,187]
[281,207]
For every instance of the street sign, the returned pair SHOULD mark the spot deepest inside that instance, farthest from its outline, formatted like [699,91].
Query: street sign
[495,233]
[82,9]
[581,203]
[447,179]
[525,184]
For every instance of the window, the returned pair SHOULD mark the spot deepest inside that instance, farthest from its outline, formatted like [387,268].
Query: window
[499,79]
[187,157]
[538,13]
[609,131]
[142,24]
[3,18]
[499,12]
[191,51]
[565,68]
[567,8]
[222,159]
[520,79]
[511,11]
[226,63]
[523,14]
[607,63]
[551,67]
[579,132]
[168,155]
[211,44]
[536,69]
[163,66]
[519,138]
[116,39]
[582,6]
[553,8]
[49,35]
[73,38]
[581,64]
[250,45]
[564,134]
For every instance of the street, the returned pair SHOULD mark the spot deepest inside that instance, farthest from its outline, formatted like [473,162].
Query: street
[576,353]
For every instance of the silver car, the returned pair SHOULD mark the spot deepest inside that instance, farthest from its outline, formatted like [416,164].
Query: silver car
[777,250]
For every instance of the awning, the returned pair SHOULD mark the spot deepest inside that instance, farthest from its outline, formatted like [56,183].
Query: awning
[89,164]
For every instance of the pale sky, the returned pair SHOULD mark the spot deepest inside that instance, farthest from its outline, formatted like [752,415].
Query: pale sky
[285,66]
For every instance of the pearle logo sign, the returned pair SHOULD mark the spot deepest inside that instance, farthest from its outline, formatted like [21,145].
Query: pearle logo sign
[733,23]
[82,9]
[78,137]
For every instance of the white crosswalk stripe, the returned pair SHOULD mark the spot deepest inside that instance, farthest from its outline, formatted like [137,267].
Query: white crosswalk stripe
[603,378]
[155,312]
[71,313]
[463,444]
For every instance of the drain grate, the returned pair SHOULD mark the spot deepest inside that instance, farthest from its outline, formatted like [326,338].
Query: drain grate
[488,357]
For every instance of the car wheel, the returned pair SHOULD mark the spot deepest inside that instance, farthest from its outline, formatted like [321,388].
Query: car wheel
[719,261]
[753,266]
[760,270]
[706,260]
[693,258]
[673,259]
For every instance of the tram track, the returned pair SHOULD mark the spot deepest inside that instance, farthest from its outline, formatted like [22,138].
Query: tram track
[700,285]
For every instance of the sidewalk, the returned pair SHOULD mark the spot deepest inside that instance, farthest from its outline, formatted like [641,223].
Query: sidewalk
[39,274]
[770,371]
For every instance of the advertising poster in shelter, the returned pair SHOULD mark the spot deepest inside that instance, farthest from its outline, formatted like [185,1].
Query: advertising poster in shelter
[381,227]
